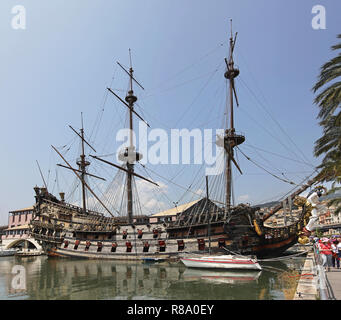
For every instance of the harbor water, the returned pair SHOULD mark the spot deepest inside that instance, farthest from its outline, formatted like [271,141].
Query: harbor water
[43,278]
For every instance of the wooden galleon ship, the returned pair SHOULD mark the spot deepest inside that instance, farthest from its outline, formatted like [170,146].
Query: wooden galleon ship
[66,230]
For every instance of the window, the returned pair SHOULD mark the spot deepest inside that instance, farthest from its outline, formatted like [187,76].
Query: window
[87,245]
[146,246]
[113,247]
[201,244]
[162,245]
[181,245]
[155,233]
[76,245]
[221,243]
[129,246]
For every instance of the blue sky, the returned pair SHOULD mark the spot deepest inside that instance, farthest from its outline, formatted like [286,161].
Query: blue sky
[60,65]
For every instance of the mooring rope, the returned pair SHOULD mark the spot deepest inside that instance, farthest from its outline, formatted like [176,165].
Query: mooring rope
[271,259]
[285,257]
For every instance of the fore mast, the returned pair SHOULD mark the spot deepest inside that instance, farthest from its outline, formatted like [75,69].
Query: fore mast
[231,139]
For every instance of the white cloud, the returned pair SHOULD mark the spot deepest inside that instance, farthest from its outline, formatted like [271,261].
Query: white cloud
[152,197]
[244,197]
[200,192]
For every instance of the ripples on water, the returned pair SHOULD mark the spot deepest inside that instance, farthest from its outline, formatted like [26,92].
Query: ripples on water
[51,278]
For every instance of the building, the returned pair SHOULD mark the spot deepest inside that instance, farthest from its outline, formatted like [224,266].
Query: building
[329,221]
[2,231]
[17,233]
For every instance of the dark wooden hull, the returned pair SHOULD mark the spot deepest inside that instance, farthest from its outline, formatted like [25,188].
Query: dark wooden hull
[171,251]
[70,238]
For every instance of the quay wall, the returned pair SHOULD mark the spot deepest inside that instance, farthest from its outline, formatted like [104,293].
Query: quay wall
[307,287]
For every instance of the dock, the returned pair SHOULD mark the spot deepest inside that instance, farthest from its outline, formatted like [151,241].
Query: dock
[315,283]
[307,287]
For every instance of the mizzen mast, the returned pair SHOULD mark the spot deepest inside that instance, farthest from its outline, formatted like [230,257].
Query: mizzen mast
[231,139]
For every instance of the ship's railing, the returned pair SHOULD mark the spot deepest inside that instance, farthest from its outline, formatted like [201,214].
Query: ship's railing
[38,236]
[35,223]
[291,229]
[73,207]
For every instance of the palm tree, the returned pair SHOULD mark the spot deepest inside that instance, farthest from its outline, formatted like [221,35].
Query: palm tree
[329,102]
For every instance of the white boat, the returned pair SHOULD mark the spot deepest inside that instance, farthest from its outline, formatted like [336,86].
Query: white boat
[28,253]
[222,262]
[221,276]
[7,252]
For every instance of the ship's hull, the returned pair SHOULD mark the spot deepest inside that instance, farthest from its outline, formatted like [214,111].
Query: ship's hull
[274,249]
[133,248]
[64,231]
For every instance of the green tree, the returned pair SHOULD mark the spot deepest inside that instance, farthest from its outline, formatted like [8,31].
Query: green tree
[329,103]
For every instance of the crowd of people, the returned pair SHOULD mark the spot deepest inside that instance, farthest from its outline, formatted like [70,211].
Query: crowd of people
[329,250]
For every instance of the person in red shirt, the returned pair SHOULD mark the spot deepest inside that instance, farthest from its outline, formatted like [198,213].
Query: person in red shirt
[326,253]
[335,257]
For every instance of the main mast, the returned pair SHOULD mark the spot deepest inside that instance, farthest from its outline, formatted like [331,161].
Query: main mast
[129,156]
[131,99]
[230,138]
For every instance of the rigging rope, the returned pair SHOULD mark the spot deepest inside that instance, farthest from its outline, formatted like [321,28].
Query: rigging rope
[284,180]
[219,46]
[279,126]
[275,121]
[276,154]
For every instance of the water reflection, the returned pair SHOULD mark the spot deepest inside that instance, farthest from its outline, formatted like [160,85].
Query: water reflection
[92,279]
[226,277]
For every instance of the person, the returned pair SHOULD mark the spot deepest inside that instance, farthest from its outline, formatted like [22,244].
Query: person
[316,244]
[313,199]
[335,257]
[338,246]
[326,253]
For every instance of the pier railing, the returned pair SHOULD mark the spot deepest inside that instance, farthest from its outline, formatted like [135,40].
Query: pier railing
[323,285]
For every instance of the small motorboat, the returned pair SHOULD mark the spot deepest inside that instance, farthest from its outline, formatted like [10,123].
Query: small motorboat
[222,262]
[152,260]
[28,253]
